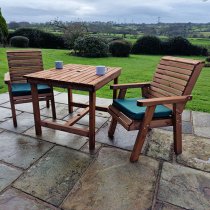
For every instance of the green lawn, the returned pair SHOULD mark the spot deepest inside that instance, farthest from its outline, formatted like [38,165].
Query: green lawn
[136,68]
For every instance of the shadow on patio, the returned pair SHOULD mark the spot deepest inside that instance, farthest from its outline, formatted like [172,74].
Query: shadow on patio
[56,170]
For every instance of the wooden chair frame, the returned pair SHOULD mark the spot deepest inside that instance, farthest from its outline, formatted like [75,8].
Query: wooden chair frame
[19,64]
[155,97]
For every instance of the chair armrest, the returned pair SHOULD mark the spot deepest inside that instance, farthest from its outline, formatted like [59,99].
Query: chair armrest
[130,85]
[7,78]
[164,100]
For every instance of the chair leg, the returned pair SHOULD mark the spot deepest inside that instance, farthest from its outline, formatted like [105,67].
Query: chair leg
[177,132]
[53,106]
[47,103]
[142,134]
[112,128]
[13,111]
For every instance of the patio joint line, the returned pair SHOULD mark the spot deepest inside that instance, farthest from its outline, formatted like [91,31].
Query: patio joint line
[157,184]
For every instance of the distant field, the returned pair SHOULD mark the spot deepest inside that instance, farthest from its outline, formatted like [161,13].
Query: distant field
[136,68]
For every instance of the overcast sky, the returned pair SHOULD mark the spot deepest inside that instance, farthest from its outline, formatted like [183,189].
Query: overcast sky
[140,11]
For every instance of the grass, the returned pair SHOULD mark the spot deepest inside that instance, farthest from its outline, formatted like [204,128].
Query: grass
[136,68]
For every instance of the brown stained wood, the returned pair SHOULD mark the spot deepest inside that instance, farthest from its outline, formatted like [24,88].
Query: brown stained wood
[122,93]
[175,69]
[122,116]
[169,84]
[173,74]
[75,119]
[173,91]
[36,109]
[177,64]
[119,120]
[164,100]
[70,99]
[69,129]
[193,79]
[19,59]
[177,126]
[181,60]
[115,91]
[170,79]
[92,109]
[159,91]
[130,85]
[22,62]
[93,82]
[142,133]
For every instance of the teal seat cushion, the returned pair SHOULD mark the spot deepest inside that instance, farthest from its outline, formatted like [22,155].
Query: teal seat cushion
[129,108]
[23,89]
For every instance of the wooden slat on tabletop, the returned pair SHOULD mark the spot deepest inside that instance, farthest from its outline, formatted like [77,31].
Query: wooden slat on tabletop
[97,79]
[78,75]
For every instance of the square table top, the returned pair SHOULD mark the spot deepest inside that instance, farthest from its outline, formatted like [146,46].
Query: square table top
[75,76]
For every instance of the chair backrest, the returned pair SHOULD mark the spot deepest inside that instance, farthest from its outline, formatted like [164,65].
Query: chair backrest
[174,77]
[22,62]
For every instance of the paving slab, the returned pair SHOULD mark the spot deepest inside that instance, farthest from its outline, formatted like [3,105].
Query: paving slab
[7,175]
[63,98]
[196,153]
[201,122]
[122,138]
[26,107]
[187,115]
[60,137]
[4,97]
[184,187]
[13,199]
[24,121]
[187,127]
[6,114]
[166,206]
[20,150]
[160,144]
[113,183]
[61,111]
[54,175]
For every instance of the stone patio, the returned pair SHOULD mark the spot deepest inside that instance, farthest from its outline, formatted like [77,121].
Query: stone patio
[57,171]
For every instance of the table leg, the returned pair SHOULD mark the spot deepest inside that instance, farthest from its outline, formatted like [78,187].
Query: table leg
[115,91]
[35,102]
[92,110]
[70,99]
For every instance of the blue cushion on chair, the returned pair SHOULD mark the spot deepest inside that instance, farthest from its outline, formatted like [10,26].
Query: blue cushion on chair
[23,89]
[129,108]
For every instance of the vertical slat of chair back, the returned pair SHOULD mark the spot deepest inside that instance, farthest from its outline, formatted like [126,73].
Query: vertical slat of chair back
[23,62]
[174,77]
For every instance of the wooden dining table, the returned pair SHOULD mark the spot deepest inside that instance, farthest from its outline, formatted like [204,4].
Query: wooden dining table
[72,77]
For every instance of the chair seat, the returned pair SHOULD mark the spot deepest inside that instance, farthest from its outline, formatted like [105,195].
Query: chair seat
[129,108]
[23,89]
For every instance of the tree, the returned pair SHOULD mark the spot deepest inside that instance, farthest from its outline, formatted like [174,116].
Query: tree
[3,29]
[71,31]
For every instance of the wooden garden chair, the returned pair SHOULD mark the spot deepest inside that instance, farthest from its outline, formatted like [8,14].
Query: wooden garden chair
[22,62]
[162,103]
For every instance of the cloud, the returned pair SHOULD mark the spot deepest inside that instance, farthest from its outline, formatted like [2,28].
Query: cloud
[106,10]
